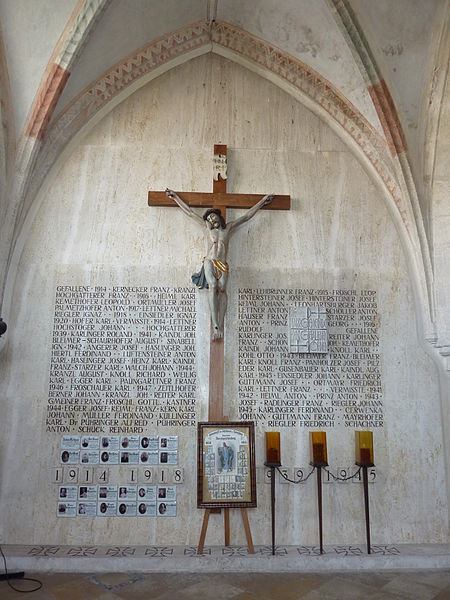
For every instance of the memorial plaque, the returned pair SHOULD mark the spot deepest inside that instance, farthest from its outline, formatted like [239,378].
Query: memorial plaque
[278,388]
[122,361]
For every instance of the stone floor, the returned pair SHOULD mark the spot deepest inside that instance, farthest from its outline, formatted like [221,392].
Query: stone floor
[372,585]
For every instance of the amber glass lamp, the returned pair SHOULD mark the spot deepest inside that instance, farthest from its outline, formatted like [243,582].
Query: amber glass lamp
[364,448]
[273,461]
[273,454]
[318,448]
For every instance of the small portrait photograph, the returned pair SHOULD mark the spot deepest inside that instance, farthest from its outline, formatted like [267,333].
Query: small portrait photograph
[63,492]
[105,442]
[102,492]
[85,457]
[162,508]
[104,457]
[124,457]
[162,493]
[83,492]
[142,508]
[103,507]
[163,442]
[163,457]
[85,443]
[61,508]
[81,509]
[141,492]
[144,457]
[65,456]
[125,442]
[122,492]
[144,442]
[122,508]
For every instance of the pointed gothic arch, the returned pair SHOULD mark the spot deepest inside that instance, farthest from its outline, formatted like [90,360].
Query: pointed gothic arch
[285,71]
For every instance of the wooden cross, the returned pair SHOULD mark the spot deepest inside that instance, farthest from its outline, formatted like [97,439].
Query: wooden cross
[220,199]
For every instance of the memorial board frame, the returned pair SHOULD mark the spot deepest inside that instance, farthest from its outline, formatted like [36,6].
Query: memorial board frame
[226,479]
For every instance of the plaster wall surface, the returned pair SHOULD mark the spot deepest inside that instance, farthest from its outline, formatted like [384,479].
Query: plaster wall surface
[148,20]
[30,32]
[405,50]
[308,31]
[441,220]
[94,227]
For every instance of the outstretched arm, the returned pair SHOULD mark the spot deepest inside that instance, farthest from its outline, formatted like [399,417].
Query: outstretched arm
[184,207]
[251,212]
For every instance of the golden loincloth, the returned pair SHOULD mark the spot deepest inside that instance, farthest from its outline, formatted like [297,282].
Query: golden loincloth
[219,268]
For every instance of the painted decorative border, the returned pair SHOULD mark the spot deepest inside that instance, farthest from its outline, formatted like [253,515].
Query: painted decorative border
[92,99]
[321,92]
[168,552]
[223,35]
[223,38]
[119,77]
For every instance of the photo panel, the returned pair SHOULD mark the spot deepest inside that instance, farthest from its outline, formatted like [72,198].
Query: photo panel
[226,465]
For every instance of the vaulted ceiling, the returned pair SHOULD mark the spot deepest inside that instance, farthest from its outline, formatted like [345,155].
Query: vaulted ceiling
[403,36]
[378,68]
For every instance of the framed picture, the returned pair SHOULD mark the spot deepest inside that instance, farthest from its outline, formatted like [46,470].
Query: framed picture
[226,476]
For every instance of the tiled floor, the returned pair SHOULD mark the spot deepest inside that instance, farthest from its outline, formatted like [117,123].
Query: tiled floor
[404,585]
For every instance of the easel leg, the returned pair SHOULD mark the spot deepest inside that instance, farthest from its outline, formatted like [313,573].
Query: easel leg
[201,543]
[226,518]
[248,534]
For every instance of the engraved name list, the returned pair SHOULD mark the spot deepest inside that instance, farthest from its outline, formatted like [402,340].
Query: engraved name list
[342,387]
[122,359]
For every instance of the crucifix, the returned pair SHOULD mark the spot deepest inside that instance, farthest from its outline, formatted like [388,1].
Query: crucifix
[214,272]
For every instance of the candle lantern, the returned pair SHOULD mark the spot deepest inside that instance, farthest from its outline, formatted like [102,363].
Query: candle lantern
[364,448]
[318,448]
[273,454]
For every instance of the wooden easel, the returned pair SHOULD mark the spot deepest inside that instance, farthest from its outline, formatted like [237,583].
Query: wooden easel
[220,199]
[248,534]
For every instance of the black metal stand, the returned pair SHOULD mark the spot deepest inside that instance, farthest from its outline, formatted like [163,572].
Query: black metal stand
[366,505]
[318,466]
[272,467]
[319,503]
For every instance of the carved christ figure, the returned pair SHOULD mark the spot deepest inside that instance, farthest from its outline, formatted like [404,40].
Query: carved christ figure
[214,272]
